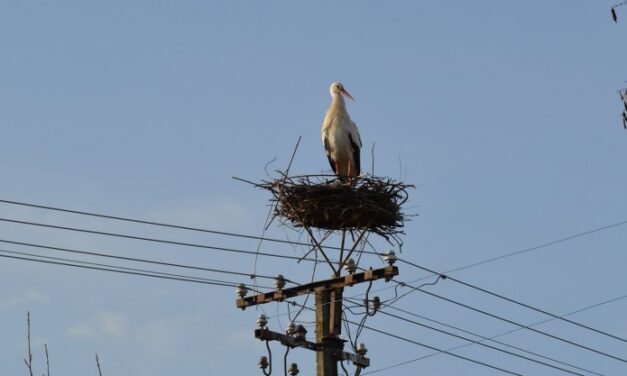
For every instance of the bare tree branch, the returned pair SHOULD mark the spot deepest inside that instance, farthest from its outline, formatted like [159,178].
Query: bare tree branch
[47,360]
[98,365]
[29,361]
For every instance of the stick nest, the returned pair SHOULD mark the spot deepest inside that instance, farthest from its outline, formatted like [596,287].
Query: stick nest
[370,203]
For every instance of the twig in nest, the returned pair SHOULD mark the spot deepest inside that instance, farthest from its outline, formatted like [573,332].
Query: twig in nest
[369,204]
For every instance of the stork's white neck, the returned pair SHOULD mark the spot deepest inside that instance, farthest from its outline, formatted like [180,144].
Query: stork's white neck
[338,101]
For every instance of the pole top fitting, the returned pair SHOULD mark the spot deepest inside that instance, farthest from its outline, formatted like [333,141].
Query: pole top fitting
[350,266]
[263,362]
[262,320]
[293,370]
[279,282]
[241,290]
[301,333]
[361,349]
[390,257]
[376,303]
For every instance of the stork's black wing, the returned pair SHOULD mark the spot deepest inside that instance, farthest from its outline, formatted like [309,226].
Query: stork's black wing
[327,149]
[356,153]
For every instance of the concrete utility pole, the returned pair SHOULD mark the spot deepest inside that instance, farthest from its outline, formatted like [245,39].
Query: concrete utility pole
[329,346]
[328,330]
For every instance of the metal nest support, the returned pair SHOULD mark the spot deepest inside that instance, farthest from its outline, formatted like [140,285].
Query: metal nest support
[322,201]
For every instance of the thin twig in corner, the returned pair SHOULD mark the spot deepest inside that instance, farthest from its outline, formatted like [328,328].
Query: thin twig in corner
[29,362]
[98,365]
[372,155]
[47,360]
[289,165]
[614,16]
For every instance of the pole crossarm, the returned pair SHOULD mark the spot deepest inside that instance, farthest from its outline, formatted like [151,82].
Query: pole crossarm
[386,273]
[293,341]
[286,340]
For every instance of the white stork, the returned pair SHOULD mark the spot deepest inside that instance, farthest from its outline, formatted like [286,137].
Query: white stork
[340,135]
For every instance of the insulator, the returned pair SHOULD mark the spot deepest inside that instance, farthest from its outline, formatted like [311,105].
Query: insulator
[263,362]
[279,282]
[291,328]
[350,266]
[293,370]
[301,333]
[361,349]
[390,257]
[262,320]
[376,303]
[241,290]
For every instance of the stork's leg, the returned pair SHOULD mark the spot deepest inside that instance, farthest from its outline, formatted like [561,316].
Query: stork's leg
[348,172]
[350,176]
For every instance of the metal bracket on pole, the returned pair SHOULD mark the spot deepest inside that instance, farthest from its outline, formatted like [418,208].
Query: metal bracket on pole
[335,344]
[386,273]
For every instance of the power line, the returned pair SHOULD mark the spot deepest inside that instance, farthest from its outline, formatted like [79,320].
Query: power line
[225,233]
[99,254]
[480,343]
[298,243]
[484,338]
[420,344]
[170,225]
[544,245]
[154,240]
[436,349]
[115,269]
[520,325]
[191,278]
[154,223]
[530,249]
[515,301]
[595,305]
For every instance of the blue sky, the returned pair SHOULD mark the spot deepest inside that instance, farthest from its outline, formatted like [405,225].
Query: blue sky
[503,114]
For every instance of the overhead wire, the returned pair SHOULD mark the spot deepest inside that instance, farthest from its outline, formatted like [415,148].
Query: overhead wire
[484,338]
[154,240]
[386,333]
[586,308]
[283,241]
[520,327]
[517,302]
[414,322]
[573,343]
[111,268]
[156,223]
[540,246]
[234,234]
[530,249]
[143,260]
[125,268]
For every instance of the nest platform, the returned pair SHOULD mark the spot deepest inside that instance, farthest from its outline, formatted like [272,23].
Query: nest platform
[322,201]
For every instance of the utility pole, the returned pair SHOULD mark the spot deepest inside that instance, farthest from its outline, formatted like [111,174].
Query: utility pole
[328,345]
[363,206]
[328,329]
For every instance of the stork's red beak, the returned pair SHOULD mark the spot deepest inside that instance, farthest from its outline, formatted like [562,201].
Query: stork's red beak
[346,94]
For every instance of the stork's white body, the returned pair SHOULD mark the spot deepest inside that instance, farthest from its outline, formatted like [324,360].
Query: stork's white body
[340,136]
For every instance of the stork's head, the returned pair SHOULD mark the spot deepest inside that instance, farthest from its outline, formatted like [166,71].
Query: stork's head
[337,89]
